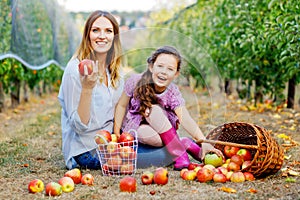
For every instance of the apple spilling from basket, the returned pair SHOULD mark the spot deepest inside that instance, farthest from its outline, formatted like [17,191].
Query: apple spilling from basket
[65,184]
[118,155]
[216,169]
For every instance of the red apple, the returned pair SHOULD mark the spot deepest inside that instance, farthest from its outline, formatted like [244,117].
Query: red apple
[74,174]
[161,176]
[127,168]
[114,162]
[112,148]
[237,159]
[182,171]
[102,137]
[219,178]
[230,151]
[232,166]
[89,65]
[53,189]
[126,139]
[211,167]
[128,184]
[127,152]
[192,165]
[197,168]
[205,175]
[246,164]
[147,178]
[249,176]
[189,175]
[245,154]
[237,177]
[213,159]
[67,184]
[87,179]
[35,186]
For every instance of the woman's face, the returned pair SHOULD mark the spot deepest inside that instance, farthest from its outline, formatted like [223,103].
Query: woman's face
[102,35]
[164,70]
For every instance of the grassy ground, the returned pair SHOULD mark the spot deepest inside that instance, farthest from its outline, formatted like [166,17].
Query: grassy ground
[30,147]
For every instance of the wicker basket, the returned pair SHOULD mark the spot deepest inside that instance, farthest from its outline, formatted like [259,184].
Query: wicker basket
[267,155]
[120,158]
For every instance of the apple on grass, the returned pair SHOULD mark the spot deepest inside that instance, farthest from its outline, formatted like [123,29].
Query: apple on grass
[189,175]
[126,139]
[161,176]
[222,170]
[87,179]
[213,159]
[74,174]
[192,166]
[53,189]
[205,175]
[67,184]
[89,67]
[128,184]
[147,178]
[228,175]
[35,186]
[219,178]
[245,154]
[237,177]
[249,176]
[182,171]
[229,151]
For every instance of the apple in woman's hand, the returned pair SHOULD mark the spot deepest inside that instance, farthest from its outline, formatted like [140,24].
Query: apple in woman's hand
[89,65]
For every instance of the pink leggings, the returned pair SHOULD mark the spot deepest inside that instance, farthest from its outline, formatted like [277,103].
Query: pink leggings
[158,123]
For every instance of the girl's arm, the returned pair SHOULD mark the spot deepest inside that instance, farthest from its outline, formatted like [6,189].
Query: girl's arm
[192,128]
[120,112]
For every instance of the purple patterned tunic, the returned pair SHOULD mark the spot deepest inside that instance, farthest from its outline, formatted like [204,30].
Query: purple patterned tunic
[170,99]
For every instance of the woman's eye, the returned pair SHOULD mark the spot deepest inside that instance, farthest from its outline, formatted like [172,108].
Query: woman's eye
[109,31]
[94,30]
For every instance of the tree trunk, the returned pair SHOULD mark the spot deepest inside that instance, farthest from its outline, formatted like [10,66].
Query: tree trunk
[2,98]
[15,94]
[291,92]
[227,86]
[25,90]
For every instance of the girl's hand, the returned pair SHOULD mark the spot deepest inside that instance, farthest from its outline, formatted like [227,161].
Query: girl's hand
[206,148]
[89,81]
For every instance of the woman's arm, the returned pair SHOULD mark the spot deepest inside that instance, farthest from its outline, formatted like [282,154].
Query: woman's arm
[120,112]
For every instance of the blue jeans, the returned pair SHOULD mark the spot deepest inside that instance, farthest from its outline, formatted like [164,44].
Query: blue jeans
[88,160]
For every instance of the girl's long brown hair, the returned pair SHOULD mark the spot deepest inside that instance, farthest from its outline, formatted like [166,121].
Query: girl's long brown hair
[144,90]
[114,55]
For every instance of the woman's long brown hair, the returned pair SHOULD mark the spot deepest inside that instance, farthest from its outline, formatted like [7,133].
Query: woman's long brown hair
[114,55]
[144,90]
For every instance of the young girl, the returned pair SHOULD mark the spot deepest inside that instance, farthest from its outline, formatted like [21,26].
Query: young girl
[88,101]
[155,108]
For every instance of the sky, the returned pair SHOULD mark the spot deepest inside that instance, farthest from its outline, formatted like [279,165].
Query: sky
[108,5]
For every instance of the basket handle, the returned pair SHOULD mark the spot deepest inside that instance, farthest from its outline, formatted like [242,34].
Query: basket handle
[246,146]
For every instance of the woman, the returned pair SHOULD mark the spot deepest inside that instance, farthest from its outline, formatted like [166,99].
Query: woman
[88,101]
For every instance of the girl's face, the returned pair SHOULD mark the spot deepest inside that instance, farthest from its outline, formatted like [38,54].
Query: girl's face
[164,71]
[102,35]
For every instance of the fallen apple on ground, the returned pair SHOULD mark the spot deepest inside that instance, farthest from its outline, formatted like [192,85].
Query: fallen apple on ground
[161,176]
[219,178]
[189,175]
[67,184]
[74,174]
[128,184]
[232,166]
[53,189]
[237,177]
[35,186]
[205,175]
[249,176]
[147,178]
[87,179]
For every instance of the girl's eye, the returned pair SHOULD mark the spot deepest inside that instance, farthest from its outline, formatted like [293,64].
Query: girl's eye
[171,69]
[94,30]
[109,31]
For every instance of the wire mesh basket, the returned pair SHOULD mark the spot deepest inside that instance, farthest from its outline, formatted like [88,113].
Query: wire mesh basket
[119,158]
[267,154]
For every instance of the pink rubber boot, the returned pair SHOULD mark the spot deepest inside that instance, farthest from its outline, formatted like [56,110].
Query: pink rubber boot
[175,148]
[192,148]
